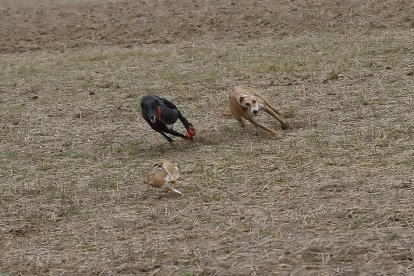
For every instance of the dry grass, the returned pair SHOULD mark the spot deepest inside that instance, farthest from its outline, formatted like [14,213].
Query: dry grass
[332,196]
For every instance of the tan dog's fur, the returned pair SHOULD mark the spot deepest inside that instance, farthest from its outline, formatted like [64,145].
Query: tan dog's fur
[245,103]
[163,176]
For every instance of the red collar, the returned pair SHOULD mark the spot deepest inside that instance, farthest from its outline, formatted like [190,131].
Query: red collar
[158,113]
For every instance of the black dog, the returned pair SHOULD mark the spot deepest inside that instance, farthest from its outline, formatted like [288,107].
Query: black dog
[161,115]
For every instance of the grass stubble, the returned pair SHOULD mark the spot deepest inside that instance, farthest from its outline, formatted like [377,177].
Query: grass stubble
[333,195]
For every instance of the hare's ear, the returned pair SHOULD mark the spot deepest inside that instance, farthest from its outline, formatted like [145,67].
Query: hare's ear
[157,166]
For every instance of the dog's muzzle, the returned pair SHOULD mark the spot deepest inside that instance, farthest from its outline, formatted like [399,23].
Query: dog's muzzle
[256,112]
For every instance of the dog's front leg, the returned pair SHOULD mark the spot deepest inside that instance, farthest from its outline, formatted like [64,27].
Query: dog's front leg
[176,133]
[241,121]
[170,140]
[274,133]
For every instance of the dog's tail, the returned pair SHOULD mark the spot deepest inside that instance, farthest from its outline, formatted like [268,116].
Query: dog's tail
[226,115]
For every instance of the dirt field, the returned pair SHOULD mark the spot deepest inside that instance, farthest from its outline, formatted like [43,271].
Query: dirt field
[333,196]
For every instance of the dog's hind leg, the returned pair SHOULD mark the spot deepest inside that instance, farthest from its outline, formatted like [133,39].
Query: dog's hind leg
[274,112]
[183,120]
[267,103]
[277,116]
[273,132]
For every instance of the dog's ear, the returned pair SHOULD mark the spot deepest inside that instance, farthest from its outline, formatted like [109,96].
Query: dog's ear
[242,98]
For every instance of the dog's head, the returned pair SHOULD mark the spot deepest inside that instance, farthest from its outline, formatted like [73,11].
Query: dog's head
[151,109]
[251,103]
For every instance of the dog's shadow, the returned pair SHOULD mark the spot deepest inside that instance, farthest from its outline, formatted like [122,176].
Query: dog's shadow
[159,147]
[226,133]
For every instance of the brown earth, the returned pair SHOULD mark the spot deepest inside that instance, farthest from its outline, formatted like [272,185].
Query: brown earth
[40,25]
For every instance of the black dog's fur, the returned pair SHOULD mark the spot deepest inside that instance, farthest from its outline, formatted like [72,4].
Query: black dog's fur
[163,123]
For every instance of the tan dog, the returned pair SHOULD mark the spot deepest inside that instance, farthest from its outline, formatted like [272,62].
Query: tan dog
[245,102]
[163,176]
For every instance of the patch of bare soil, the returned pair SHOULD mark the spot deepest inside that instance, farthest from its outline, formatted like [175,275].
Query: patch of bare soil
[39,25]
